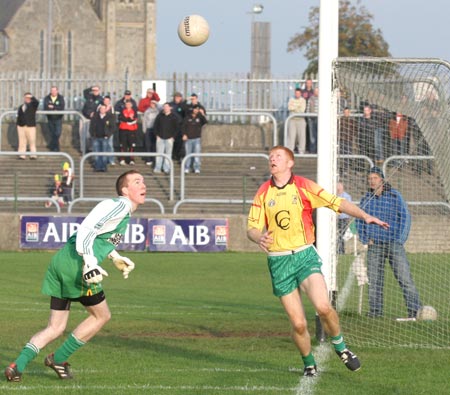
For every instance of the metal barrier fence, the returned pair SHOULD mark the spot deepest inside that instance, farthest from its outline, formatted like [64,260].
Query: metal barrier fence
[98,199]
[126,154]
[83,121]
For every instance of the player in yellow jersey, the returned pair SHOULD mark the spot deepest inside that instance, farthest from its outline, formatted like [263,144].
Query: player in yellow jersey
[280,222]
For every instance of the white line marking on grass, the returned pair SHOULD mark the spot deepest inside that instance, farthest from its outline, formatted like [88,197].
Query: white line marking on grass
[323,351]
[147,387]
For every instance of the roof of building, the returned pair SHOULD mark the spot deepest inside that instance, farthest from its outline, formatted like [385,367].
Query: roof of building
[9,9]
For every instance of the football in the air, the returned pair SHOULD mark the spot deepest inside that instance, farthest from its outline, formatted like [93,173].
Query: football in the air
[193,30]
[426,313]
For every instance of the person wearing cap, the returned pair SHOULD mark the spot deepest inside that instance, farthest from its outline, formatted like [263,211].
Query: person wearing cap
[144,103]
[280,221]
[120,104]
[179,108]
[386,203]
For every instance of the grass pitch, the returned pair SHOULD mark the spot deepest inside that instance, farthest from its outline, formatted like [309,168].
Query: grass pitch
[193,324]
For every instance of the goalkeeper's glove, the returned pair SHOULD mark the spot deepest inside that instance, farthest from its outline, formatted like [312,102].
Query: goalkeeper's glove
[92,272]
[124,264]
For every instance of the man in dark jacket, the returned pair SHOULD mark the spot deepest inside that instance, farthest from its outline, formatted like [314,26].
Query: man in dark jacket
[101,129]
[26,125]
[121,104]
[192,133]
[54,101]
[166,127]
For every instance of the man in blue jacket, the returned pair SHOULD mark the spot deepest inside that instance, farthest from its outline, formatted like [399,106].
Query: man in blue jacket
[386,203]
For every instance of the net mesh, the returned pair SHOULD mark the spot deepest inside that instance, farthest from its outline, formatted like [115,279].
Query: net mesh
[398,120]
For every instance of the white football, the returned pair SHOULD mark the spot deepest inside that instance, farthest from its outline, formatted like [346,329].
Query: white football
[426,313]
[193,30]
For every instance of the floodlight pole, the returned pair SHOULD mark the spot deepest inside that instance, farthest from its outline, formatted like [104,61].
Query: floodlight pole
[326,164]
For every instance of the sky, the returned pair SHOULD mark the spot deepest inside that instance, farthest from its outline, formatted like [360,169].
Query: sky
[412,28]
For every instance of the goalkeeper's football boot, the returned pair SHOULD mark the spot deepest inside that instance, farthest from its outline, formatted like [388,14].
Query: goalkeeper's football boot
[350,360]
[310,371]
[12,374]
[61,369]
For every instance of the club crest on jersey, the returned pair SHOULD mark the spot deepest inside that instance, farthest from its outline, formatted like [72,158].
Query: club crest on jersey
[271,203]
[294,199]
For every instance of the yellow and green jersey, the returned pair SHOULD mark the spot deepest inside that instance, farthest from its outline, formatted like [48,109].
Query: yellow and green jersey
[287,211]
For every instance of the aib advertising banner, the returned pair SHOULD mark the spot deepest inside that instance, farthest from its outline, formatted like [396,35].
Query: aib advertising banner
[194,235]
[190,235]
[52,232]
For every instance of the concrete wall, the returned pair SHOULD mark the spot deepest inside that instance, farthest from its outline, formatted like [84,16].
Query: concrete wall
[428,234]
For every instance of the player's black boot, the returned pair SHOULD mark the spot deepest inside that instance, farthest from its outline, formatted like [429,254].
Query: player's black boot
[61,369]
[349,359]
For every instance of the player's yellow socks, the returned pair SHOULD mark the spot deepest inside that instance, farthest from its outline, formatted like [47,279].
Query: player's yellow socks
[29,352]
[71,345]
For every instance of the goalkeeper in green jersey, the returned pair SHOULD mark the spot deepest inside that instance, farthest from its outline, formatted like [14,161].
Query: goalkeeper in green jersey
[75,274]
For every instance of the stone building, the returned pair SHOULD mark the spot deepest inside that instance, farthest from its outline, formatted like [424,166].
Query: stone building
[73,37]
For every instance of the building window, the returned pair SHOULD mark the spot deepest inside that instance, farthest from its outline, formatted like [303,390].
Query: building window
[41,51]
[69,53]
[3,44]
[57,62]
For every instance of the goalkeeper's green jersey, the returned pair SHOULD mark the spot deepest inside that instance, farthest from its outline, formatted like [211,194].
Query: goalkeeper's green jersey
[99,234]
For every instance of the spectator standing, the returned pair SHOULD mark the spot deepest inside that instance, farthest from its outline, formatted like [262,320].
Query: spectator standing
[67,182]
[54,101]
[128,125]
[26,125]
[195,103]
[121,103]
[381,117]
[343,218]
[313,107]
[144,103]
[110,109]
[348,131]
[386,203]
[93,99]
[148,121]
[101,129]
[398,129]
[179,108]
[366,135]
[297,125]
[192,133]
[166,127]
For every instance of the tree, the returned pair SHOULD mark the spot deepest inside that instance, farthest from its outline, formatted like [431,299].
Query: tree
[357,35]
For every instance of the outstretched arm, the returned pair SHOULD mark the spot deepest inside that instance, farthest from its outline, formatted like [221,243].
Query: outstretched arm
[353,210]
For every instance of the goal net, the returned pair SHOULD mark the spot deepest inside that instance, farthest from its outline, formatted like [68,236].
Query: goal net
[398,119]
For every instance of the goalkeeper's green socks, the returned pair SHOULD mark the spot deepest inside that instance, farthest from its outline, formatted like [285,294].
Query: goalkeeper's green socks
[71,345]
[309,360]
[338,343]
[29,352]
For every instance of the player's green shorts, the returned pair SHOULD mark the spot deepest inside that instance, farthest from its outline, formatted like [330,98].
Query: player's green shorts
[288,271]
[64,277]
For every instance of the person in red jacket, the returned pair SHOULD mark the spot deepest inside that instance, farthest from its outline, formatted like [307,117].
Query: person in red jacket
[128,125]
[144,103]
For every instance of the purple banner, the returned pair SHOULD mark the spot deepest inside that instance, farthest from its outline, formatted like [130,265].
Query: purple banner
[183,235]
[50,232]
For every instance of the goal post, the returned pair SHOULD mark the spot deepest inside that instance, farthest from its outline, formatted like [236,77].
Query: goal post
[399,121]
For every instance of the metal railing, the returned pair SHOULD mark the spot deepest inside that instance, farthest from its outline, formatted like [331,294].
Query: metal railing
[98,199]
[127,154]
[31,199]
[41,153]
[83,120]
